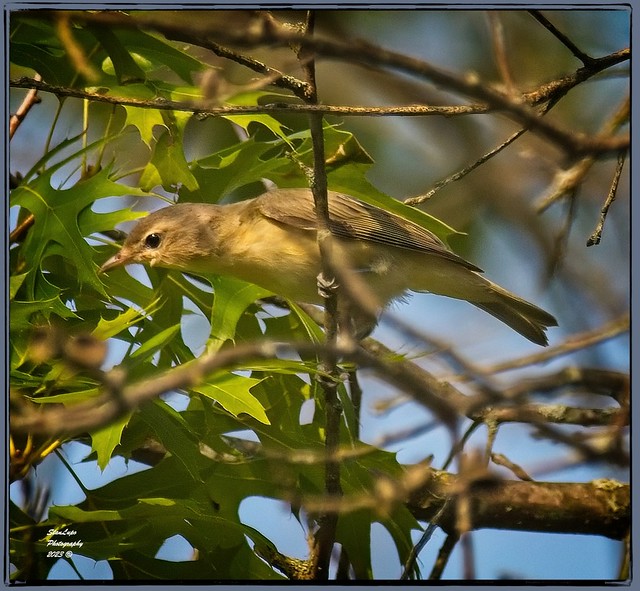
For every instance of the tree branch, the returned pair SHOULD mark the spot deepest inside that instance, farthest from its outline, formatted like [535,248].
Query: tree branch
[583,340]
[547,507]
[31,99]
[267,33]
[163,104]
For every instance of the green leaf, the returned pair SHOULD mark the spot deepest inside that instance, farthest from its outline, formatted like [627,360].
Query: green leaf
[229,484]
[56,215]
[160,52]
[284,366]
[173,288]
[144,509]
[232,297]
[168,166]
[358,478]
[229,169]
[307,324]
[232,392]
[109,328]
[169,478]
[83,395]
[354,533]
[73,514]
[282,396]
[195,290]
[172,431]
[91,222]
[268,121]
[15,281]
[120,60]
[21,312]
[60,148]
[36,45]
[143,119]
[105,439]
[153,344]
[399,523]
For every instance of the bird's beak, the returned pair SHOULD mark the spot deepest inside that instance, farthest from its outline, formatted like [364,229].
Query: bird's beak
[115,261]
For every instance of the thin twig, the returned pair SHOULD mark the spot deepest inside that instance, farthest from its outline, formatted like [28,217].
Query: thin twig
[370,55]
[274,76]
[29,100]
[459,445]
[566,182]
[500,51]
[443,556]
[423,541]
[468,556]
[597,233]
[518,471]
[577,52]
[456,176]
[614,384]
[574,343]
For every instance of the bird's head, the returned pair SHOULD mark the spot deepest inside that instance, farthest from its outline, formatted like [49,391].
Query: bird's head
[172,237]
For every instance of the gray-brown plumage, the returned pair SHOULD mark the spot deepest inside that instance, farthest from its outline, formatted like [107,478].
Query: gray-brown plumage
[271,241]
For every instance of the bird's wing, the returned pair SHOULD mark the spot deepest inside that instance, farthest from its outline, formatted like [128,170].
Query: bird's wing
[350,218]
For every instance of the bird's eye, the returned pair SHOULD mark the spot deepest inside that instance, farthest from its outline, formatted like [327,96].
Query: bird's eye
[152,241]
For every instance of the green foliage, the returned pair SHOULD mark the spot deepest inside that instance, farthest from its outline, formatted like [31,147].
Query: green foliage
[197,487]
[61,221]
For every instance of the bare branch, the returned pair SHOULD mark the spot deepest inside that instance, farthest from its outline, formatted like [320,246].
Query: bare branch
[527,506]
[551,413]
[265,33]
[502,460]
[456,176]
[566,182]
[574,343]
[443,556]
[162,104]
[30,99]
[597,233]
[583,57]
[613,384]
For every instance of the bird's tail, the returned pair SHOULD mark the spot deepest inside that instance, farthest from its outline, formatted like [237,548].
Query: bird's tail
[529,320]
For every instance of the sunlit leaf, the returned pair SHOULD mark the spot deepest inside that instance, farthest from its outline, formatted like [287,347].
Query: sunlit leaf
[105,439]
[150,346]
[232,392]
[109,328]
[168,166]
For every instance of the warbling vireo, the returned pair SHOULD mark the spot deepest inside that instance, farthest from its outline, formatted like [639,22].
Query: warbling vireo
[271,241]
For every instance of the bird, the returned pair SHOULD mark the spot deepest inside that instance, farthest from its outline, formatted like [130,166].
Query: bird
[271,241]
